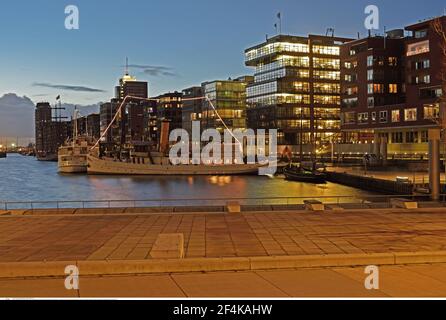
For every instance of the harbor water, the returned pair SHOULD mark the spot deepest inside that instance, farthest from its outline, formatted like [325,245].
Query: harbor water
[25,179]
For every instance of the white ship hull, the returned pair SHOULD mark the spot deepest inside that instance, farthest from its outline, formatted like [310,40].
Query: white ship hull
[72,168]
[109,167]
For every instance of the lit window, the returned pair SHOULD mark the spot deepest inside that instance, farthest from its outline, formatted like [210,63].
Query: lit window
[431,111]
[369,61]
[418,48]
[410,114]
[393,88]
[396,116]
[363,118]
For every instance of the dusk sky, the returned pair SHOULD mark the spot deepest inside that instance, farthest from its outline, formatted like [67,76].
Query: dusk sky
[194,40]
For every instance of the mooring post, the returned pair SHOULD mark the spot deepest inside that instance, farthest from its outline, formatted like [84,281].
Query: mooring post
[434,163]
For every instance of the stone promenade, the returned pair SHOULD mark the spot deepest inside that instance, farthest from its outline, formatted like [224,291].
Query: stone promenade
[99,237]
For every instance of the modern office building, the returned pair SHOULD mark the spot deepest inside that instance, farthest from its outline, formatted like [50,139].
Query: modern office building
[296,88]
[170,108]
[192,109]
[132,123]
[227,102]
[396,115]
[129,86]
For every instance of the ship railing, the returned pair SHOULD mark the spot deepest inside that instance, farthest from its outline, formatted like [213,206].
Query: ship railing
[203,204]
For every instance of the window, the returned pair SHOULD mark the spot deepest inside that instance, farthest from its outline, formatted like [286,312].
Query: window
[423,64]
[370,102]
[393,61]
[370,61]
[351,91]
[424,136]
[374,116]
[369,75]
[431,111]
[349,118]
[412,137]
[327,75]
[397,137]
[326,63]
[410,114]
[396,116]
[329,50]
[431,93]
[393,88]
[375,88]
[427,79]
[350,103]
[363,118]
[382,116]
[418,48]
[420,34]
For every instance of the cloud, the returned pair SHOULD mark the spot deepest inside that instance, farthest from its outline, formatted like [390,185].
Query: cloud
[17,115]
[67,87]
[154,71]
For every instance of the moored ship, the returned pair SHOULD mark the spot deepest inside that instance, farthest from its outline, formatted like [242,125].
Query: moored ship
[157,164]
[72,157]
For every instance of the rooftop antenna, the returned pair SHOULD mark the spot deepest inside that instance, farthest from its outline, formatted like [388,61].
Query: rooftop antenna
[126,66]
[279,16]
[332,30]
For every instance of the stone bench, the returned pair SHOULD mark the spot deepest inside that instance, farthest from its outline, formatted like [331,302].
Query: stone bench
[314,205]
[403,203]
[335,207]
[168,246]
[233,207]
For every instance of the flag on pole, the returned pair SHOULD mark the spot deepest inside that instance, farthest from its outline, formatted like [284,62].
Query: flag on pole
[58,97]
[279,15]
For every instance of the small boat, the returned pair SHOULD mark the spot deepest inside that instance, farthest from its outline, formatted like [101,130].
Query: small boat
[2,154]
[301,175]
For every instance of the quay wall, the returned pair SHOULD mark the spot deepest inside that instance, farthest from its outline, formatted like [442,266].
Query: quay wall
[371,184]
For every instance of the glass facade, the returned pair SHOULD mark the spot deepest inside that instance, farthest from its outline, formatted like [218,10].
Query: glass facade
[229,100]
[296,88]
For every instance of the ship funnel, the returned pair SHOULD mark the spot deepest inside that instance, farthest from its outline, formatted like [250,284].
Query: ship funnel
[164,137]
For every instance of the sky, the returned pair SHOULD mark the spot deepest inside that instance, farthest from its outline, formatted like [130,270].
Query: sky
[173,44]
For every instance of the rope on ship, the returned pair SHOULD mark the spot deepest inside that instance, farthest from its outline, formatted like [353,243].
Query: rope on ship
[124,102]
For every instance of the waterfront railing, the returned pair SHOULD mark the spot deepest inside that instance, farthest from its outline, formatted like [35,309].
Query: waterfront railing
[206,202]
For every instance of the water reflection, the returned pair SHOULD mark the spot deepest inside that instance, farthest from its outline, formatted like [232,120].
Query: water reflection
[25,179]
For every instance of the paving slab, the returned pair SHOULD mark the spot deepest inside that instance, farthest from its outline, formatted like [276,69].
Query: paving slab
[318,283]
[30,288]
[231,284]
[160,286]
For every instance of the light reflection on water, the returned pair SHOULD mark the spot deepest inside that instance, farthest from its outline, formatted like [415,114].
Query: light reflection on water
[26,179]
